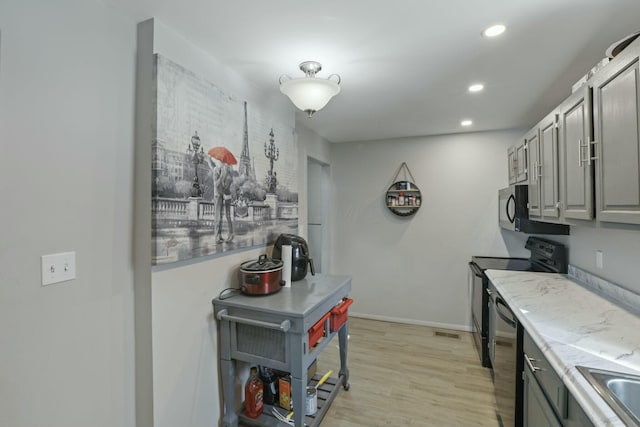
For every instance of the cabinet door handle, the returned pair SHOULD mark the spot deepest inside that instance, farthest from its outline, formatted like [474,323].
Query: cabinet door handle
[581,147]
[590,152]
[530,363]
[580,152]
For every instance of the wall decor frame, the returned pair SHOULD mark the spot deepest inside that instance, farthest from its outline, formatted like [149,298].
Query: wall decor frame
[403,197]
[224,173]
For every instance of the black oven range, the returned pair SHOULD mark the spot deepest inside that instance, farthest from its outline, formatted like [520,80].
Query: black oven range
[546,256]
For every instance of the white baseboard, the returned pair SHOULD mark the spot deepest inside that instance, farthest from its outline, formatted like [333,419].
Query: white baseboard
[464,328]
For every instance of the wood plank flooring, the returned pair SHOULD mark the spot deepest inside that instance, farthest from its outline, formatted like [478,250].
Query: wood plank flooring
[406,375]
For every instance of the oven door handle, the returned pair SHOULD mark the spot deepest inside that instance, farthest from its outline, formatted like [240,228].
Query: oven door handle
[510,321]
[476,270]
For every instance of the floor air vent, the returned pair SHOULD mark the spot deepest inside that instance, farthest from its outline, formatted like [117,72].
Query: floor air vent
[447,335]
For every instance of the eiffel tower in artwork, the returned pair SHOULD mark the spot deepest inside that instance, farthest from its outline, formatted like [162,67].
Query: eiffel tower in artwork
[244,166]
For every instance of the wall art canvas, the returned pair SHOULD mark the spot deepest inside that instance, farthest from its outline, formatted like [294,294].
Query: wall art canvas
[224,174]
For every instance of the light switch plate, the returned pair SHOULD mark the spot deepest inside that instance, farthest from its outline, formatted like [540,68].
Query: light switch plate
[58,268]
[599,260]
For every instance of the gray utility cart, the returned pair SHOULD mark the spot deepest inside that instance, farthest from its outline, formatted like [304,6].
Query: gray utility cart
[272,331]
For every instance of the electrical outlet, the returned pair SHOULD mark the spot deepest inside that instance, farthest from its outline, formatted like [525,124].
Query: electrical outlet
[599,260]
[58,268]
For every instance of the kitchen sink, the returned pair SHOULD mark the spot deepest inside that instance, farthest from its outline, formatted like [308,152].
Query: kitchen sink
[620,391]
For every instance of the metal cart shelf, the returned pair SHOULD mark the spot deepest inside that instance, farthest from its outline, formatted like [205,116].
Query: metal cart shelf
[326,393]
[272,331]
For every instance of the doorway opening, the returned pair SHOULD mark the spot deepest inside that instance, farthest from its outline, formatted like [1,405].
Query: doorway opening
[318,213]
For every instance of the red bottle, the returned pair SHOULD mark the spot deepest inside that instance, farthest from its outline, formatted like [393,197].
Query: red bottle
[253,391]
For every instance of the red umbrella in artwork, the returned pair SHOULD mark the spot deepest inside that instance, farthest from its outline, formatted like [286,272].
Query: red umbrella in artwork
[223,154]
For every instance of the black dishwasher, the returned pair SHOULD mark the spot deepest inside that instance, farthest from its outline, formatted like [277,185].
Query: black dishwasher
[505,352]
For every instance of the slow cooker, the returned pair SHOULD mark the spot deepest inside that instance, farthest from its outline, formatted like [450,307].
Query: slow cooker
[261,277]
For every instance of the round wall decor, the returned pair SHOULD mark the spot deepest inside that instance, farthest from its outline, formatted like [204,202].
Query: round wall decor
[403,198]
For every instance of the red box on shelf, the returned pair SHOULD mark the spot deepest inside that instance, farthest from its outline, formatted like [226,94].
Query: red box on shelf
[339,314]
[317,331]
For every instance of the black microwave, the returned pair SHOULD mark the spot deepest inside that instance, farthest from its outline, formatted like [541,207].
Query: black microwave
[513,213]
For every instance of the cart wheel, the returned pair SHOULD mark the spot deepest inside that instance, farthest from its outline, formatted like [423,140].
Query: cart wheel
[347,386]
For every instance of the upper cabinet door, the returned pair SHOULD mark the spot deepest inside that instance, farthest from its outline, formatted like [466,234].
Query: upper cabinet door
[576,168]
[616,93]
[549,199]
[513,161]
[535,168]
[521,163]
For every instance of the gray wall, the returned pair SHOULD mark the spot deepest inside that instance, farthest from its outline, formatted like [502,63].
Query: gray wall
[620,246]
[414,269]
[67,79]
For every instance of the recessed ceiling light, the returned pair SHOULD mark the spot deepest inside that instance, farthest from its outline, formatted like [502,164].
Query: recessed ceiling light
[466,123]
[494,30]
[476,87]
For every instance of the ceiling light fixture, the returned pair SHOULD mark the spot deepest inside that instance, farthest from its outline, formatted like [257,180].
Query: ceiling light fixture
[309,93]
[466,123]
[476,87]
[494,30]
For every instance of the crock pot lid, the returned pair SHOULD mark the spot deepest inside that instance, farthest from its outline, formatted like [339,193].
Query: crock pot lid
[262,264]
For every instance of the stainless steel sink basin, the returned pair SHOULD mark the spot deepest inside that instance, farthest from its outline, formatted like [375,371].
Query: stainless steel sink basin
[620,391]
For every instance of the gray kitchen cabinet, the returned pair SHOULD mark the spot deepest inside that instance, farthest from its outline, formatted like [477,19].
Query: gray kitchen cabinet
[542,149]
[533,142]
[517,163]
[543,380]
[546,400]
[549,187]
[616,94]
[576,167]
[536,410]
[521,163]
[582,161]
[575,415]
[512,161]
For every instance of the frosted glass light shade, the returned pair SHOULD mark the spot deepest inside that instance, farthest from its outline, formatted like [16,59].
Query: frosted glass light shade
[310,94]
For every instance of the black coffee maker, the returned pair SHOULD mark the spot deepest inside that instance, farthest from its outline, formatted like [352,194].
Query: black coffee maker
[299,255]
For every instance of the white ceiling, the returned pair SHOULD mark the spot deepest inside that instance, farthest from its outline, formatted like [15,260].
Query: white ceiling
[406,64]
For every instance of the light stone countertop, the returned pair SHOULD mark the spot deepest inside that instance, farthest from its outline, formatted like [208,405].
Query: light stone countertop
[572,325]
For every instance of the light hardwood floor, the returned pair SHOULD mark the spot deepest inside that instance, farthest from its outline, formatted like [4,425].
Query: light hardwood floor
[407,375]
